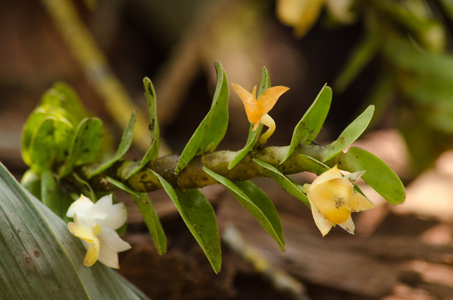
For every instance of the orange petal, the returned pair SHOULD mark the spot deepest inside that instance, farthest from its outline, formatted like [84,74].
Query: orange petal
[249,101]
[269,97]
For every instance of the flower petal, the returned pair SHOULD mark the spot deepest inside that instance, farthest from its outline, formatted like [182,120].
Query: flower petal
[348,225]
[92,253]
[80,206]
[249,101]
[358,202]
[268,98]
[82,231]
[321,222]
[331,198]
[327,175]
[117,216]
[111,239]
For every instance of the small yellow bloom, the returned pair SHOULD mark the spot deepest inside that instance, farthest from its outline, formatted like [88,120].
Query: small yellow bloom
[302,14]
[257,109]
[95,224]
[332,198]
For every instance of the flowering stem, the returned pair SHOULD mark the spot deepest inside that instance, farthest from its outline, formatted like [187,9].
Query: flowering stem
[193,175]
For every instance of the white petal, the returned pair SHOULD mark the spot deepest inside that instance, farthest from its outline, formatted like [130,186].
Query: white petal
[111,239]
[321,222]
[80,206]
[117,216]
[108,257]
[100,210]
[348,225]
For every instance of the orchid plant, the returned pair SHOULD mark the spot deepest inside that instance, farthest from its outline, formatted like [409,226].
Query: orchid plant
[71,175]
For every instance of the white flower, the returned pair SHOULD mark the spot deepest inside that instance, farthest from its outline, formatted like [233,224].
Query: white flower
[332,199]
[95,224]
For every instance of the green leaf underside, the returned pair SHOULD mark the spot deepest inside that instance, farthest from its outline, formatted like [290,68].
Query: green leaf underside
[378,174]
[85,146]
[149,214]
[41,259]
[126,141]
[212,129]
[285,182]
[311,123]
[198,215]
[253,135]
[257,203]
[349,135]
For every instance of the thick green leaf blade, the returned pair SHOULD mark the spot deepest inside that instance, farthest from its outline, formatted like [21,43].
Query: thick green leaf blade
[285,182]
[311,123]
[349,135]
[212,129]
[126,141]
[253,135]
[257,203]
[199,216]
[41,259]
[86,145]
[149,214]
[378,174]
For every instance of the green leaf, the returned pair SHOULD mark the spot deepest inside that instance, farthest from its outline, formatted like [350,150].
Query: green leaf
[53,196]
[253,135]
[149,214]
[153,151]
[40,259]
[378,174]
[198,215]
[285,182]
[311,123]
[42,149]
[212,129]
[349,135]
[86,145]
[126,141]
[257,203]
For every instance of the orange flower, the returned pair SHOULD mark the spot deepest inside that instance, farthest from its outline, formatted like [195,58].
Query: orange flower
[257,109]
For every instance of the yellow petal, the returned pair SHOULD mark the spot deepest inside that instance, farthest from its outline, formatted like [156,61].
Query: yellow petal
[92,253]
[321,222]
[82,231]
[332,199]
[358,202]
[269,97]
[348,225]
[249,101]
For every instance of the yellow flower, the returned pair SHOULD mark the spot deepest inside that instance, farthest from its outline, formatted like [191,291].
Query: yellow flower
[332,198]
[302,14]
[257,109]
[95,224]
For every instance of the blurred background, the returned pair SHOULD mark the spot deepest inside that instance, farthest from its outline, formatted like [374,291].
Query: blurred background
[393,54]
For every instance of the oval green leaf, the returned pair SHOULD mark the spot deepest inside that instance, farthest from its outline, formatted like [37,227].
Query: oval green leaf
[378,174]
[257,203]
[199,216]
